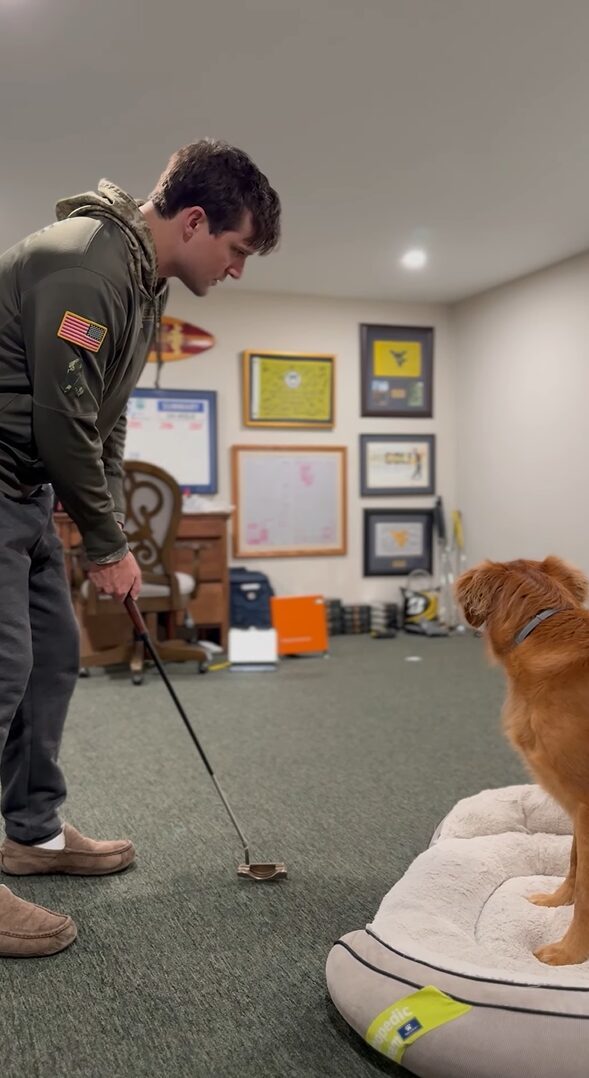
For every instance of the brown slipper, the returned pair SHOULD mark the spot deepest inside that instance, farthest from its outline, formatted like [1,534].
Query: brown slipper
[29,931]
[81,857]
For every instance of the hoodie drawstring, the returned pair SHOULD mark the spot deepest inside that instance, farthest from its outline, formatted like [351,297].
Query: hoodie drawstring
[157,323]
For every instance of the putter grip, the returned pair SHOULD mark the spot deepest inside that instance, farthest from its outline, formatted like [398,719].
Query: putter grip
[135,615]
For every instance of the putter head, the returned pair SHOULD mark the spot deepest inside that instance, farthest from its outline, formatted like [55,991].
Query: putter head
[272,870]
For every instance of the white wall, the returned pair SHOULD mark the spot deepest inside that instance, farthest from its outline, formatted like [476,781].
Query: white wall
[239,321]
[522,416]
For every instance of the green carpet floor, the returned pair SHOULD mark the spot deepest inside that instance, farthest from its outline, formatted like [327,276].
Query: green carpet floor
[341,767]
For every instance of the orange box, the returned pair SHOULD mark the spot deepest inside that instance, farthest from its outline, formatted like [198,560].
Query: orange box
[300,622]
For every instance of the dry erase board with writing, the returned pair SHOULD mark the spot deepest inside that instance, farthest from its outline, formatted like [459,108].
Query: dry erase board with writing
[289,500]
[176,429]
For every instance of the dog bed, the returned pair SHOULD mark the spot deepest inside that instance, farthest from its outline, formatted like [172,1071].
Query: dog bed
[444,979]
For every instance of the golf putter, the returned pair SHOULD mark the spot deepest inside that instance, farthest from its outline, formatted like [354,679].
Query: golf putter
[272,870]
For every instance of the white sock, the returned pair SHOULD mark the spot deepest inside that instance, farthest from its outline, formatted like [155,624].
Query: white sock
[57,843]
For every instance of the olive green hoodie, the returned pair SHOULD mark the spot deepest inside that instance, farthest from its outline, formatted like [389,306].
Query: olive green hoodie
[79,303]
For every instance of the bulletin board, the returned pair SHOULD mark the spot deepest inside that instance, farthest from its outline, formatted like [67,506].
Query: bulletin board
[176,429]
[290,501]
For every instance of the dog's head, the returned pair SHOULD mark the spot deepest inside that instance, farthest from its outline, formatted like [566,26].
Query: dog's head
[511,591]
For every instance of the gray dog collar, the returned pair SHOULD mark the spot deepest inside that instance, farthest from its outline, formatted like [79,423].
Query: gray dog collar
[534,622]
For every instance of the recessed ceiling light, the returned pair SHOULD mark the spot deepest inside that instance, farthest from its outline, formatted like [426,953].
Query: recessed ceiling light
[414,259]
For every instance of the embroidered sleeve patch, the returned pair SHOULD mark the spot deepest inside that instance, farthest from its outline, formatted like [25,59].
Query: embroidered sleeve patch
[74,382]
[81,331]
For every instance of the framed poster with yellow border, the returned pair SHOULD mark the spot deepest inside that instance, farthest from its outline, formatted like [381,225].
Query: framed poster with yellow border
[397,371]
[288,389]
[290,500]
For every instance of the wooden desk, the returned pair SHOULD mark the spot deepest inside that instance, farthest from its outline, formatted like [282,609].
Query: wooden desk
[208,533]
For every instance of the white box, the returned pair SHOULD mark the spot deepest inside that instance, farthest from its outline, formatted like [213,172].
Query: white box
[253,648]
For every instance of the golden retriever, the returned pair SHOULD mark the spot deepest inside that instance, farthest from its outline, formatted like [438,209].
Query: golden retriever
[546,710]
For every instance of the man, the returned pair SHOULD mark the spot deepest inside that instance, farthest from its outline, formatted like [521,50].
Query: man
[79,304]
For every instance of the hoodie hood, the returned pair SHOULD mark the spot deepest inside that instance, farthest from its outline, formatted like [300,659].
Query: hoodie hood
[112,202]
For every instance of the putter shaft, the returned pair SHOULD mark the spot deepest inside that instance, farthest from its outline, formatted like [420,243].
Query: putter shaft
[142,633]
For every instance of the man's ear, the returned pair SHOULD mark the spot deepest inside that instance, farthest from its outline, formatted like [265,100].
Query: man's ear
[475,590]
[193,219]
[572,579]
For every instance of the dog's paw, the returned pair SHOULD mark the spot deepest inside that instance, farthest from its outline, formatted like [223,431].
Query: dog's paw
[559,954]
[558,898]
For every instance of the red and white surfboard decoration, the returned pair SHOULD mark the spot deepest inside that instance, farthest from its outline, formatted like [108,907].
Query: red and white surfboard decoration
[180,340]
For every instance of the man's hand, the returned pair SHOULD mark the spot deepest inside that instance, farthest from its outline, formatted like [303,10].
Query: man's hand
[117,579]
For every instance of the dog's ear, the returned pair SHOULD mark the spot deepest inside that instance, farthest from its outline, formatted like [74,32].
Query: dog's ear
[572,579]
[475,590]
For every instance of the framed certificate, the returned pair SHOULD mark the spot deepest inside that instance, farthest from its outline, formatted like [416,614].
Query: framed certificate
[397,464]
[288,389]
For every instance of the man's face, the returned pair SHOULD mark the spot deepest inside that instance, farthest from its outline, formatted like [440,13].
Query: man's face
[205,259]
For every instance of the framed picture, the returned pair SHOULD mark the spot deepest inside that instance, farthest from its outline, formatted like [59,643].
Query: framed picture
[396,541]
[397,464]
[397,371]
[290,500]
[288,389]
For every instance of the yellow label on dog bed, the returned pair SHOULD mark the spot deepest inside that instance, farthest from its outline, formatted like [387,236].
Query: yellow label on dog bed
[409,1018]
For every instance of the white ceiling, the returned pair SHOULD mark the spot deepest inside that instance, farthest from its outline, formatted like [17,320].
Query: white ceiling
[460,125]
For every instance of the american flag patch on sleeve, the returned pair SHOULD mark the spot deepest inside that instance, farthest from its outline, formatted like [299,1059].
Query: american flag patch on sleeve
[81,331]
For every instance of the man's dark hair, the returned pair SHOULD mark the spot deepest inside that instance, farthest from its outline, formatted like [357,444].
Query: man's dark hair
[226,183]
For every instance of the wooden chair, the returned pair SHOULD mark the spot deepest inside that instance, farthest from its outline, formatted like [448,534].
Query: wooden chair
[153,510]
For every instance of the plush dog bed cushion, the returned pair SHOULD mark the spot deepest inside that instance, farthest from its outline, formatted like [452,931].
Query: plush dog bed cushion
[458,923]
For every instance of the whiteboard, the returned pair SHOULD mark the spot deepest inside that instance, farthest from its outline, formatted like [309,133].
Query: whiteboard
[177,430]
[290,501]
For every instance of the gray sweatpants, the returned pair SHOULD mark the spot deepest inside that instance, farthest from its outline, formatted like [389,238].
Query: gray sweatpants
[39,662]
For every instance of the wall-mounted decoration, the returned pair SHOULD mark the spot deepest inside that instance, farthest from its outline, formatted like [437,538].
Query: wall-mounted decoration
[397,464]
[177,340]
[288,389]
[397,541]
[396,371]
[180,340]
[290,500]
[177,429]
